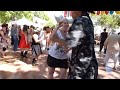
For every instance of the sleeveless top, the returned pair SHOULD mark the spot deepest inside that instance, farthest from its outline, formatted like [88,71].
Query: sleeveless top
[34,43]
[58,51]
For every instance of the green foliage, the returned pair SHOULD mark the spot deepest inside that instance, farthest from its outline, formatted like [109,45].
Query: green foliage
[6,16]
[110,21]
[50,24]
[41,14]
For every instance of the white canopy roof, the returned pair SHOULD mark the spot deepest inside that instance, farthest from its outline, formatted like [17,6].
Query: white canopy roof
[39,20]
[24,21]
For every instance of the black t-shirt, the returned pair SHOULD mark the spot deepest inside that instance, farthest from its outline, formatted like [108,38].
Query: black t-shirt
[104,36]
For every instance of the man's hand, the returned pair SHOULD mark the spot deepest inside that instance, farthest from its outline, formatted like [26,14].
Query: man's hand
[67,50]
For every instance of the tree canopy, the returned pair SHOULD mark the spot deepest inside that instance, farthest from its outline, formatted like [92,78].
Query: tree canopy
[7,16]
[110,21]
[43,15]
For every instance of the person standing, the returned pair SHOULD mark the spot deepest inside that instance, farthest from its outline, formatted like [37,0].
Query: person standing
[15,36]
[8,32]
[57,55]
[119,50]
[19,32]
[36,48]
[3,40]
[48,31]
[80,38]
[24,43]
[11,33]
[112,44]
[103,37]
[30,33]
[43,42]
[7,29]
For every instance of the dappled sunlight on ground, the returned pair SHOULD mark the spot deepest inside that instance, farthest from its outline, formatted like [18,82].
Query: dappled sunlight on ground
[106,72]
[12,67]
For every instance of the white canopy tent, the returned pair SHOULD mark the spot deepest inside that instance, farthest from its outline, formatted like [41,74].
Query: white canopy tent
[39,20]
[24,21]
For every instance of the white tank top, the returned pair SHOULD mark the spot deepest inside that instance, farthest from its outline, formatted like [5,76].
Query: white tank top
[57,51]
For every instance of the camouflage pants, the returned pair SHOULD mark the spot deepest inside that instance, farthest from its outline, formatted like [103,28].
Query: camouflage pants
[84,73]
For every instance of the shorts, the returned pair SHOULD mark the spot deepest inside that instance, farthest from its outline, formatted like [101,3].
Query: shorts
[57,63]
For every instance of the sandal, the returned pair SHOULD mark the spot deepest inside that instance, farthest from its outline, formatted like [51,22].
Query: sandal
[114,68]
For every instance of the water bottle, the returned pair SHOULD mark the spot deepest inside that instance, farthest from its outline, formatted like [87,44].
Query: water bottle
[108,69]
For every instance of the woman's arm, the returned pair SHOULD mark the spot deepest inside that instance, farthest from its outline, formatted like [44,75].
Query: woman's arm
[55,38]
[53,35]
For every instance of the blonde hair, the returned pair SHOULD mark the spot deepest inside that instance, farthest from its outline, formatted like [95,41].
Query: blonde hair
[64,20]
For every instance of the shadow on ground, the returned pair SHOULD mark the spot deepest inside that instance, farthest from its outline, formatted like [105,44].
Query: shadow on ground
[12,68]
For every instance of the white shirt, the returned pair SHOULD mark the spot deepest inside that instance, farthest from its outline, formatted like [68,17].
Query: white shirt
[35,36]
[43,42]
[112,42]
[57,51]
[42,35]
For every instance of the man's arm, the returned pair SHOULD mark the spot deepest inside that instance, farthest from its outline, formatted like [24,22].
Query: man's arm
[75,33]
[11,32]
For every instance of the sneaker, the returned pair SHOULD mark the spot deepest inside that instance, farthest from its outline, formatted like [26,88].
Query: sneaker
[114,68]
[21,54]
[25,54]
[34,62]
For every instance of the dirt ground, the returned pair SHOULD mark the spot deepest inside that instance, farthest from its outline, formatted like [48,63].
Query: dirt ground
[11,67]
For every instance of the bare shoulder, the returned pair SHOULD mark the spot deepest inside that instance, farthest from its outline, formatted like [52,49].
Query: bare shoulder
[35,36]
[1,32]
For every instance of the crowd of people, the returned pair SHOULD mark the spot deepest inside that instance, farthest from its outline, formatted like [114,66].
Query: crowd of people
[23,38]
[58,42]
